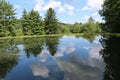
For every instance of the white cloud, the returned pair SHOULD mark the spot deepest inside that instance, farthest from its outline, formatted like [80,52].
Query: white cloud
[52,4]
[41,5]
[59,54]
[94,52]
[70,50]
[95,14]
[62,9]
[69,7]
[40,70]
[93,5]
[63,48]
[86,17]
[97,17]
[87,69]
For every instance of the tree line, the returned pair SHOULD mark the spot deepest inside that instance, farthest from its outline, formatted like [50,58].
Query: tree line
[31,23]
[111,15]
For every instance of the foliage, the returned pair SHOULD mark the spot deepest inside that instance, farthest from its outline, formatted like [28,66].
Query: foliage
[7,19]
[76,28]
[64,28]
[32,23]
[90,27]
[52,44]
[33,46]
[111,15]
[8,55]
[51,22]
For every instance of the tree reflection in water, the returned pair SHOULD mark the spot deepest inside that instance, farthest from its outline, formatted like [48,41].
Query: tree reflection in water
[52,43]
[33,46]
[8,56]
[111,56]
[61,58]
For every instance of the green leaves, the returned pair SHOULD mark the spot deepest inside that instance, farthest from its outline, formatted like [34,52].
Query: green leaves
[89,27]
[51,22]
[7,19]
[111,15]
[32,23]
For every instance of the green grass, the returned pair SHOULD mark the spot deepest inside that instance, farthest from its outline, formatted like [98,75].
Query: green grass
[79,34]
[111,34]
[39,36]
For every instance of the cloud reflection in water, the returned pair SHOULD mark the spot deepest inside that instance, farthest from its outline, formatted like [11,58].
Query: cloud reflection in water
[40,70]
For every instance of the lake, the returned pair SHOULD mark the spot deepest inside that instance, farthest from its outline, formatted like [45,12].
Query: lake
[88,57]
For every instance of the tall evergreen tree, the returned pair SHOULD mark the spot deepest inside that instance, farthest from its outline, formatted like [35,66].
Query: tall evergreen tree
[91,20]
[36,22]
[51,22]
[111,15]
[32,23]
[25,23]
[7,19]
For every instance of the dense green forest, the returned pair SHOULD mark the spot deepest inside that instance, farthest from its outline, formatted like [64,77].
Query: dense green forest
[32,23]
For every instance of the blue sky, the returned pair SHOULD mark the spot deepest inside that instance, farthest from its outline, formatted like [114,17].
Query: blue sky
[68,11]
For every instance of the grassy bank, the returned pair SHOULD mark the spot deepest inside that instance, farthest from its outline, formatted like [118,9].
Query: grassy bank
[111,34]
[40,36]
[80,34]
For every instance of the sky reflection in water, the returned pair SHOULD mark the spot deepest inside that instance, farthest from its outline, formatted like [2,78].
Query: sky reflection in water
[62,58]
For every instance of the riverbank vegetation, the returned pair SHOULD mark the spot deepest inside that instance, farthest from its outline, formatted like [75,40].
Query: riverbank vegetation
[31,23]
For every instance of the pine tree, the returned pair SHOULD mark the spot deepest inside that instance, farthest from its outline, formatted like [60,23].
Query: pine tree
[36,23]
[25,23]
[32,23]
[7,19]
[51,22]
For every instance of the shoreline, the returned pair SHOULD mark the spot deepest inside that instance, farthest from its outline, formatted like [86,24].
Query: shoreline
[40,36]
[79,34]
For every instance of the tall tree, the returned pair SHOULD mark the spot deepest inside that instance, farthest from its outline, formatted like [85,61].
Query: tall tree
[32,23]
[76,28]
[7,19]
[111,15]
[25,23]
[36,23]
[51,22]
[91,20]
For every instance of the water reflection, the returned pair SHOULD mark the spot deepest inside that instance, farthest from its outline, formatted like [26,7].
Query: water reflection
[60,58]
[33,46]
[40,70]
[8,56]
[74,70]
[89,37]
[52,43]
[111,56]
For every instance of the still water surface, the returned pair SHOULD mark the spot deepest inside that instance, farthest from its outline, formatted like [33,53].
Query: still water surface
[60,58]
